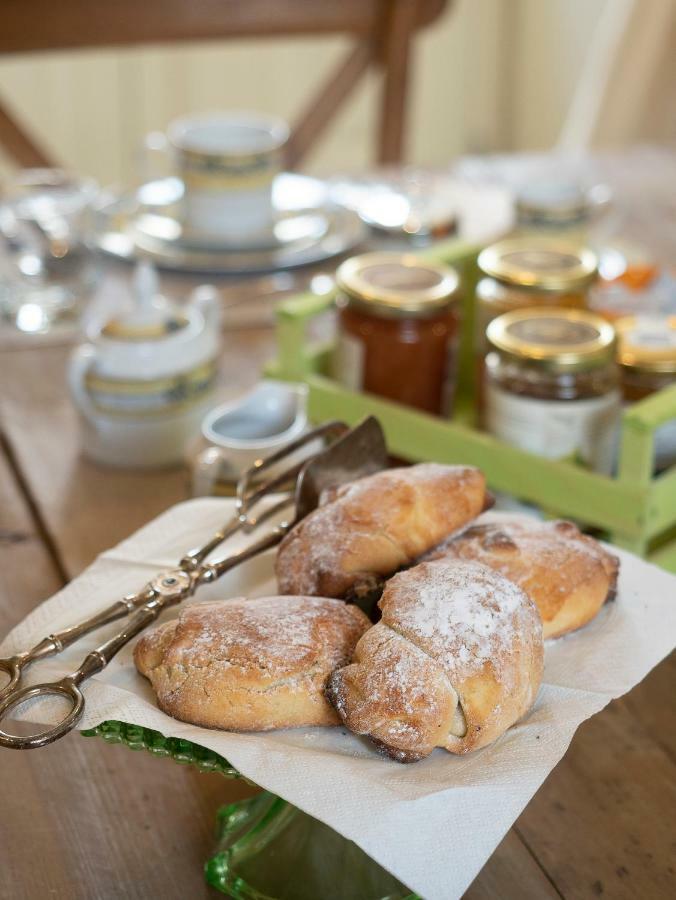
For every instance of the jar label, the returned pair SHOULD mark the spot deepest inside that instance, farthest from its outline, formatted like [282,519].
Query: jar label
[348,362]
[556,429]
[651,334]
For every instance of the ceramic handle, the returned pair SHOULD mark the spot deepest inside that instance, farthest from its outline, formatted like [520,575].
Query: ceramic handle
[80,363]
[207,466]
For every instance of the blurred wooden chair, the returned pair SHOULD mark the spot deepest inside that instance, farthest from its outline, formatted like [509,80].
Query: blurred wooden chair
[382,31]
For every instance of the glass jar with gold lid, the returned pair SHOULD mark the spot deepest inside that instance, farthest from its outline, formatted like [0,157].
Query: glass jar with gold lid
[398,329]
[646,352]
[522,273]
[552,384]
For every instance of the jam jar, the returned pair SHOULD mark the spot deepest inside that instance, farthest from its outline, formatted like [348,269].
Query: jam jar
[552,384]
[398,329]
[646,352]
[529,272]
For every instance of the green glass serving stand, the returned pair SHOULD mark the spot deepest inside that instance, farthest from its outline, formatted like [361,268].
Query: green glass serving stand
[267,849]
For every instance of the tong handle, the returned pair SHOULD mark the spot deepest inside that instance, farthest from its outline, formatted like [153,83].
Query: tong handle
[213,571]
[69,687]
[59,640]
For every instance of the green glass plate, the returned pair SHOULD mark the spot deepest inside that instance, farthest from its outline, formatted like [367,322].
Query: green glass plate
[267,848]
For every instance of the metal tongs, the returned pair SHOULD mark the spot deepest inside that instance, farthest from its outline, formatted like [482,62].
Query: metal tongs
[351,453]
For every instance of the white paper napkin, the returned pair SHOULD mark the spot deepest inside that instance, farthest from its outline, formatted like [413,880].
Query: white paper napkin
[405,817]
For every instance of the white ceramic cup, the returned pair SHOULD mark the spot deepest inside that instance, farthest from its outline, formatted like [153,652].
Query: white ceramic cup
[227,161]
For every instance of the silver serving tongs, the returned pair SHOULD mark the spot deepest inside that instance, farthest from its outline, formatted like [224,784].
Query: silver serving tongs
[351,454]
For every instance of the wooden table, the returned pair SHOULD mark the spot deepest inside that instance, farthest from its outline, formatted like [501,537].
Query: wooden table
[86,820]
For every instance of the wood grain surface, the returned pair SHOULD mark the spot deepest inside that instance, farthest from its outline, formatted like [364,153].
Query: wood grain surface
[86,820]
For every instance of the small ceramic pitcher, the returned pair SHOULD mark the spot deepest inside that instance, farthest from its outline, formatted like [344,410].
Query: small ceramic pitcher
[236,434]
[144,381]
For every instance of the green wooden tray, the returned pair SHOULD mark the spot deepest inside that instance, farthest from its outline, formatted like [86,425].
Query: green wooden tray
[636,509]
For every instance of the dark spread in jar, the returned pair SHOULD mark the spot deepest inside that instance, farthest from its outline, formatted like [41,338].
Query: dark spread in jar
[552,384]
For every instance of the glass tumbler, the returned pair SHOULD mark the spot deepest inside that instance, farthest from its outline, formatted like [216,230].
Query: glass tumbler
[47,272]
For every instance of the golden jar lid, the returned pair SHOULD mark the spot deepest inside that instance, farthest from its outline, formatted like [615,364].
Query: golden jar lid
[397,284]
[647,343]
[555,339]
[543,264]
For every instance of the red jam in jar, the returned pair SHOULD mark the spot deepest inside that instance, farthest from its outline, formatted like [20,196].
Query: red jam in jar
[398,329]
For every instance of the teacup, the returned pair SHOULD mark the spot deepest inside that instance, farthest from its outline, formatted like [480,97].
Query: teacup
[228,162]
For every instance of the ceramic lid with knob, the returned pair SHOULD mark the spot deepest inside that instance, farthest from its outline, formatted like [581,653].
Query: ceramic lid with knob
[157,338]
[151,318]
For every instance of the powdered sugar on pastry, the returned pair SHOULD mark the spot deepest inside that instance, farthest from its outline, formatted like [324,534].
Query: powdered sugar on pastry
[364,531]
[568,574]
[455,660]
[462,615]
[250,664]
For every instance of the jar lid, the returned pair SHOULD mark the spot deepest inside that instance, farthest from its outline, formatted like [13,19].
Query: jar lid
[534,263]
[647,343]
[396,284]
[555,339]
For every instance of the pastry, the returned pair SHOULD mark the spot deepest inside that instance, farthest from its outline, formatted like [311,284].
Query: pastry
[568,574]
[365,531]
[454,661]
[250,665]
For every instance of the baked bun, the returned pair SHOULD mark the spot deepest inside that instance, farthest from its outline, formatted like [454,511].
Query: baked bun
[455,660]
[567,574]
[250,665]
[365,531]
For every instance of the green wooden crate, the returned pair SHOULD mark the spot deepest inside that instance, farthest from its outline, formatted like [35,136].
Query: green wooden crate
[636,509]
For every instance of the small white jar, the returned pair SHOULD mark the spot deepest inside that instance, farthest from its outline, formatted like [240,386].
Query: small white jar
[144,381]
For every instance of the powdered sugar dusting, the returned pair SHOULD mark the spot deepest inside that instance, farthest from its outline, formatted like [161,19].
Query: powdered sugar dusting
[362,519]
[528,553]
[273,636]
[462,614]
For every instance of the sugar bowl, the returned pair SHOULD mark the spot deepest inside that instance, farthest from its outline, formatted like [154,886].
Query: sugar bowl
[144,380]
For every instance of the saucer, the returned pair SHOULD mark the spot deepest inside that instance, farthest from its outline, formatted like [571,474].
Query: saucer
[308,228]
[290,226]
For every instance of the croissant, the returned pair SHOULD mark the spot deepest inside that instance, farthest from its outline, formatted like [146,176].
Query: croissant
[455,660]
[569,575]
[365,531]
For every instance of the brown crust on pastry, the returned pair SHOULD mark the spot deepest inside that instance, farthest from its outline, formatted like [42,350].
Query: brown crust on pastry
[250,665]
[365,531]
[455,660]
[569,575]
